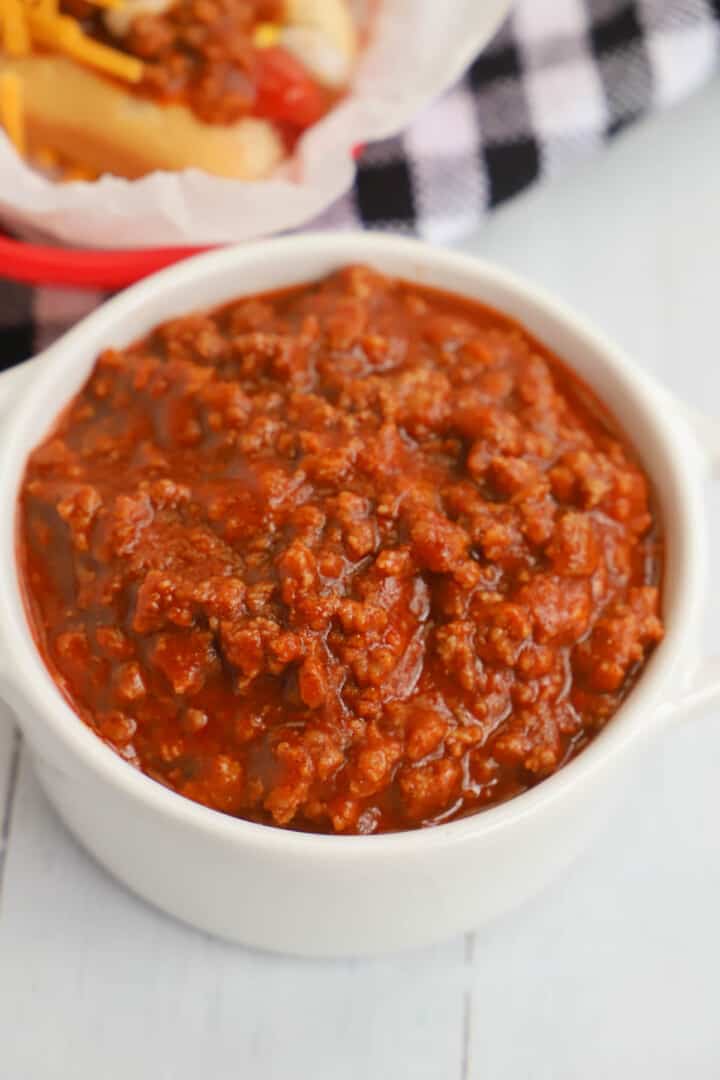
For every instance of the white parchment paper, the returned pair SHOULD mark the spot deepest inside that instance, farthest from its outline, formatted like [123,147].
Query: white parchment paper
[417,49]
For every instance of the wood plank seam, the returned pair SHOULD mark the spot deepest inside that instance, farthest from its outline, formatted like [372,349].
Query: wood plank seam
[9,803]
[467,1006]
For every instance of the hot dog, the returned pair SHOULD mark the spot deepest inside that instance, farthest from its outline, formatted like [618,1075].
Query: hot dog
[130,87]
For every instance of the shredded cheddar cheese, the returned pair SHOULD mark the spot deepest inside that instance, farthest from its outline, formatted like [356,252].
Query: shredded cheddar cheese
[265,35]
[16,35]
[11,111]
[26,23]
[64,34]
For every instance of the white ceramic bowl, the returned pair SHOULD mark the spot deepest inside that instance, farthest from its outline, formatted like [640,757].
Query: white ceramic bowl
[331,895]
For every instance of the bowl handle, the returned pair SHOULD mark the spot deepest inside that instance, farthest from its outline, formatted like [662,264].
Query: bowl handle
[704,685]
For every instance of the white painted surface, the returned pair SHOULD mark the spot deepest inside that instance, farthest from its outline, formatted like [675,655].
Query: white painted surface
[6,739]
[613,972]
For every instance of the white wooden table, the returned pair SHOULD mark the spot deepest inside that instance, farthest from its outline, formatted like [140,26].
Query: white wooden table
[613,972]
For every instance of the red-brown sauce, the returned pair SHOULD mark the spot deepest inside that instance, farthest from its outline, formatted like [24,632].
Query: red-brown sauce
[354,557]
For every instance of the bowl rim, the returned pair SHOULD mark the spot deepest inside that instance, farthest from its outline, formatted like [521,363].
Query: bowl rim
[28,680]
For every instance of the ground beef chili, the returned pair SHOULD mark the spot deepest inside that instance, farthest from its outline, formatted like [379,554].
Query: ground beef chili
[201,53]
[355,557]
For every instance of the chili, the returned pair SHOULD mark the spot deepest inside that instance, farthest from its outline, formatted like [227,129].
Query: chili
[201,53]
[353,557]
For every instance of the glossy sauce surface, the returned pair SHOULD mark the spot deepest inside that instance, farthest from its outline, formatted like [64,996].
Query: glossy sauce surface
[354,557]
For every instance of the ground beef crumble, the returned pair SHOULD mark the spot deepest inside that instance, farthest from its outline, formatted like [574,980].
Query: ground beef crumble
[354,557]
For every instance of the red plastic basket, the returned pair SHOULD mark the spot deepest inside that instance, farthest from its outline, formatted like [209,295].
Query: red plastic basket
[35,264]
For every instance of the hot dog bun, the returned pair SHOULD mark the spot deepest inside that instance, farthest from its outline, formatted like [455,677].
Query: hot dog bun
[100,124]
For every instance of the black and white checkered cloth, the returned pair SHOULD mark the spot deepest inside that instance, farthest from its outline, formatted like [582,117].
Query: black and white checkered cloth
[559,79]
